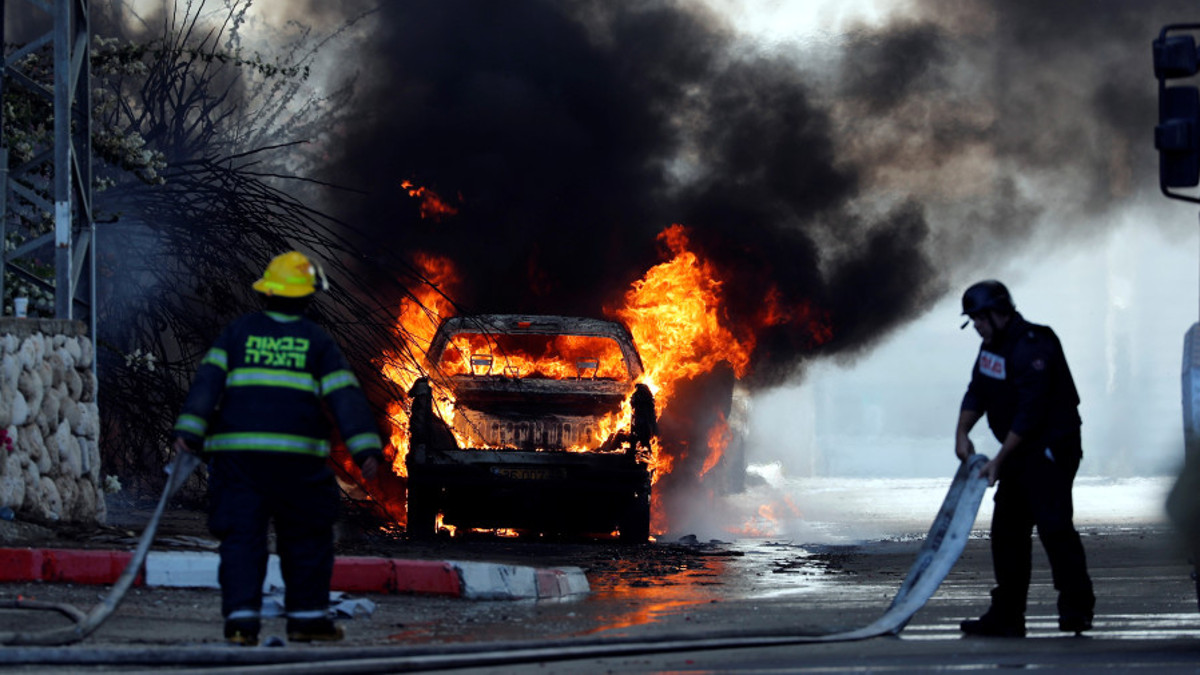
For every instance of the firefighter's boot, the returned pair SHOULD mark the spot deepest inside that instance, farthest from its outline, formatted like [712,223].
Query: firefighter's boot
[242,631]
[314,630]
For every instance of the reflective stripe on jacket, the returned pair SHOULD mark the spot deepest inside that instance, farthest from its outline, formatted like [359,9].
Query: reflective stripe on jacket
[270,383]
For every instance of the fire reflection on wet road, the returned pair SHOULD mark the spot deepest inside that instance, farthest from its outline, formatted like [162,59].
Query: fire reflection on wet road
[639,598]
[1144,594]
[639,593]
[776,585]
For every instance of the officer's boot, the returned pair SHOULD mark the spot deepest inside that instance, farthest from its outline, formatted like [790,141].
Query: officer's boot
[1075,610]
[995,624]
[1005,618]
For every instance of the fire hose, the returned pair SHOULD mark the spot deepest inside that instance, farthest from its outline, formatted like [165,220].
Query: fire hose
[86,623]
[942,547]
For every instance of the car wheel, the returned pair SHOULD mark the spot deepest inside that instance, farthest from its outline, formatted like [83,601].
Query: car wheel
[635,525]
[422,514]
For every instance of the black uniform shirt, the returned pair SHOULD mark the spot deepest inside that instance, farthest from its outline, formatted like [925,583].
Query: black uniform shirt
[1022,382]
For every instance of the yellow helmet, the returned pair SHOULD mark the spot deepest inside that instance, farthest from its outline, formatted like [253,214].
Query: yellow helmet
[291,275]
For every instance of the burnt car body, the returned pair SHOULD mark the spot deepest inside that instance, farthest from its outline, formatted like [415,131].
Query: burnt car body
[531,397]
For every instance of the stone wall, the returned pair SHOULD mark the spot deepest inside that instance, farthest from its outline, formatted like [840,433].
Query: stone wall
[49,422]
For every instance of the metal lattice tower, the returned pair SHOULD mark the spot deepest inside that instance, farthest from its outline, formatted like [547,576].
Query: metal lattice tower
[68,196]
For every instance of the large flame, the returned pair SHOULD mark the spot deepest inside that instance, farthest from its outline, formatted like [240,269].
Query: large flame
[420,315]
[676,313]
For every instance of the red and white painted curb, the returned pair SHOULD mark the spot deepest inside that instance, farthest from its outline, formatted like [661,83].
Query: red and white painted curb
[198,569]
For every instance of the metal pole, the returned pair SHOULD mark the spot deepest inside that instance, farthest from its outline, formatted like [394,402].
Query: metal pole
[62,159]
[82,78]
[3,159]
[3,206]
[70,201]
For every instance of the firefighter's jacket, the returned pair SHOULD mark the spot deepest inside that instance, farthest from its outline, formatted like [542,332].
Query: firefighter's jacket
[265,386]
[1022,381]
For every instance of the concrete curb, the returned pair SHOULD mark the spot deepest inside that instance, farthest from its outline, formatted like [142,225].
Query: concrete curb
[63,565]
[490,581]
[198,569]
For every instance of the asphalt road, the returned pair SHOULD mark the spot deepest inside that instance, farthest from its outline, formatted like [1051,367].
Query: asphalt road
[735,607]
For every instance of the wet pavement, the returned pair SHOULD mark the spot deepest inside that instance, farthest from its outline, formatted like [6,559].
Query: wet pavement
[677,606]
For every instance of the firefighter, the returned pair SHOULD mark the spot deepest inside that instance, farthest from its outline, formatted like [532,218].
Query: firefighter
[259,412]
[1021,381]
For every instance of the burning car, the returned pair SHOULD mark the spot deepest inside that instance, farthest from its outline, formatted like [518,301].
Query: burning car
[535,424]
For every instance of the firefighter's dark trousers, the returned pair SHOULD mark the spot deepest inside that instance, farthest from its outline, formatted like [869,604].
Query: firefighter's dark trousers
[247,490]
[1035,489]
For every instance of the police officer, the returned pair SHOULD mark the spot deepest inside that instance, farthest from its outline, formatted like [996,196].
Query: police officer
[1022,383]
[259,411]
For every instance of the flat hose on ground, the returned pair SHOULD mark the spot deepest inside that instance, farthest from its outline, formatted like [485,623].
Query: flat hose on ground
[85,624]
[943,545]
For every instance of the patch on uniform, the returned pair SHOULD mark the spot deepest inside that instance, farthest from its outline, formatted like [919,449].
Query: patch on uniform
[1038,364]
[991,365]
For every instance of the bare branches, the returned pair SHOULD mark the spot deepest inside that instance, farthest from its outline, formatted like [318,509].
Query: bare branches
[201,149]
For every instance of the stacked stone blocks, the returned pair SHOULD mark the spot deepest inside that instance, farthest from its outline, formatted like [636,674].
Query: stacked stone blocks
[50,464]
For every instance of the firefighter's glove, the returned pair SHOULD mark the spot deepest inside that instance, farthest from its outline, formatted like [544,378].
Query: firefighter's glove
[370,468]
[184,445]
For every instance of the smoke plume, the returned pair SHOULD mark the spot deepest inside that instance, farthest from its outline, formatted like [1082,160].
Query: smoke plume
[569,134]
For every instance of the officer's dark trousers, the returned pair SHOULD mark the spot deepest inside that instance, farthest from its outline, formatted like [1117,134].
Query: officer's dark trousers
[247,490]
[1035,489]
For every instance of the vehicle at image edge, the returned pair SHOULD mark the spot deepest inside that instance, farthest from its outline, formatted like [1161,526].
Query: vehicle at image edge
[529,395]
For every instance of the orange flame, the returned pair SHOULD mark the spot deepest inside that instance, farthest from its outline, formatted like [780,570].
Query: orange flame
[439,526]
[674,313]
[771,517]
[432,205]
[678,320]
[803,313]
[419,318]
[550,357]
[718,439]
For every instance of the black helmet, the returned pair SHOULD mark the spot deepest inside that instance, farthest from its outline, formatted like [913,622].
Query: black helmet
[985,295]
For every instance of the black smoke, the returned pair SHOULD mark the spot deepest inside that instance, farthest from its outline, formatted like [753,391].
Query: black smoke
[575,132]
[868,177]
[1044,112]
